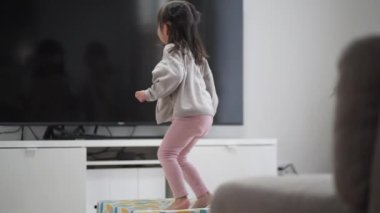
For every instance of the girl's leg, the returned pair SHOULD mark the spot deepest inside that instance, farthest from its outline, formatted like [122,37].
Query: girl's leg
[174,141]
[191,174]
[178,136]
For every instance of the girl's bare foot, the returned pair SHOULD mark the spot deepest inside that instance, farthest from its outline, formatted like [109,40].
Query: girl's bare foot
[203,201]
[179,203]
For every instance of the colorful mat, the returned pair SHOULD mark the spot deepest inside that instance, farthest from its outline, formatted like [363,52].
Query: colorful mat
[142,206]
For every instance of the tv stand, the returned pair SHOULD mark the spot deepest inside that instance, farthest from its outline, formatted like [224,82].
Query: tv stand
[42,170]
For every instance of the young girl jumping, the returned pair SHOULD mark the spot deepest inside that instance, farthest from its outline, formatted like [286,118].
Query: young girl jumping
[183,86]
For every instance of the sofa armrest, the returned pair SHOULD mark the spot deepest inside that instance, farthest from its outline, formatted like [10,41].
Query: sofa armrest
[374,191]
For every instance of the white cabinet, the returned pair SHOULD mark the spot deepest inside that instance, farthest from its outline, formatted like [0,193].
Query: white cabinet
[219,163]
[124,183]
[151,183]
[52,176]
[38,180]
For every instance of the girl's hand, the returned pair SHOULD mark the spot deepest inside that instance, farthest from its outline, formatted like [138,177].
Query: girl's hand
[140,95]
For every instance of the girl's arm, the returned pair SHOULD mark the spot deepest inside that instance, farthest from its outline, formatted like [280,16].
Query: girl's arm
[210,85]
[166,77]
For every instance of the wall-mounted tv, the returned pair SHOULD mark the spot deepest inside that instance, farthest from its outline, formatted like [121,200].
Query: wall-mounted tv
[80,61]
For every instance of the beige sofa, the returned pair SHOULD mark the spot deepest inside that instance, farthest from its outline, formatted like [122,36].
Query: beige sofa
[355,185]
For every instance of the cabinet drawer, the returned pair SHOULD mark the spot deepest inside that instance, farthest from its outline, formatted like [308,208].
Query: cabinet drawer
[43,180]
[218,164]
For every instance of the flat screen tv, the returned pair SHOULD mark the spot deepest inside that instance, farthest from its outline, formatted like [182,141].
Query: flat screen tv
[80,61]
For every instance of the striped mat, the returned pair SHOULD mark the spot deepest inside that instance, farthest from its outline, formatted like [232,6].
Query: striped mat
[142,206]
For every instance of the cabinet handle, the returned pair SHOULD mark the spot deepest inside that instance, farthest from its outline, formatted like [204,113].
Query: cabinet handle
[30,152]
[231,148]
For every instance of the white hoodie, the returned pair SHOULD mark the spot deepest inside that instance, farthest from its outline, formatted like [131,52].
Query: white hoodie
[182,87]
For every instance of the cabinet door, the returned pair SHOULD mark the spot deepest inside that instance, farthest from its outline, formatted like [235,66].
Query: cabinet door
[43,180]
[111,184]
[122,184]
[151,183]
[218,164]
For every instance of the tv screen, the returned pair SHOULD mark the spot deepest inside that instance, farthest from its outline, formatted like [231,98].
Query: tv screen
[80,61]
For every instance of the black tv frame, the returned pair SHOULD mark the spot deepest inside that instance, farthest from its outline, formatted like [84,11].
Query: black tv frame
[239,43]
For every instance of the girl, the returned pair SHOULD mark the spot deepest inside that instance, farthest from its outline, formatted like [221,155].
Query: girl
[184,88]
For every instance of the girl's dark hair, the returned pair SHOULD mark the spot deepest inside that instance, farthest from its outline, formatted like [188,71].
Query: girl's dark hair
[182,20]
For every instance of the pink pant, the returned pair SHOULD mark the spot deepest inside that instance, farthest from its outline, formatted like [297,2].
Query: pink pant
[181,136]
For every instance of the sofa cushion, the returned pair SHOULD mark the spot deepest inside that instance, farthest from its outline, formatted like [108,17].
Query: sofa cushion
[301,194]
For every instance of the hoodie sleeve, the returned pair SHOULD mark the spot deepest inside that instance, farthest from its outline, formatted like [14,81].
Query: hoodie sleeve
[166,76]
[210,85]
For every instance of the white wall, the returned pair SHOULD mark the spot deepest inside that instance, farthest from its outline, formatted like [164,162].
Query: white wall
[290,52]
[290,55]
